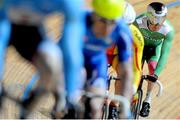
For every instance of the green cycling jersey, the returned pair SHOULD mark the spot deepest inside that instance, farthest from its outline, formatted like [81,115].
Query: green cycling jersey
[161,40]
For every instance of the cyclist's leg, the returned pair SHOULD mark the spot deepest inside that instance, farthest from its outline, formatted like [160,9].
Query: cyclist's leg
[137,97]
[152,62]
[44,54]
[4,39]
[137,79]
[47,59]
[113,106]
[151,66]
[71,44]
[73,71]
[137,75]
[147,101]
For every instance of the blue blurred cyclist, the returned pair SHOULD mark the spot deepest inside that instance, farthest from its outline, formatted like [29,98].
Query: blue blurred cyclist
[102,30]
[21,25]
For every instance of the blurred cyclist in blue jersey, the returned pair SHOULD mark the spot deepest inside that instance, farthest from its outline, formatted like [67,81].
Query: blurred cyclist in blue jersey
[21,25]
[103,30]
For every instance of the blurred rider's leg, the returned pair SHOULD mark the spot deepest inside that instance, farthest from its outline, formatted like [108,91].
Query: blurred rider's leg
[4,39]
[48,61]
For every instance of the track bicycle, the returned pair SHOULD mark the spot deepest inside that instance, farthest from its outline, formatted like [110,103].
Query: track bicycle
[136,102]
[137,98]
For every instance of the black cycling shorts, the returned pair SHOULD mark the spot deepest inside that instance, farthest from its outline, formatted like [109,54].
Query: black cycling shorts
[148,52]
[25,39]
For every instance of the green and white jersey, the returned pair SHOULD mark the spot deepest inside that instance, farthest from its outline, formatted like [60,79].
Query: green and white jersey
[161,40]
[152,38]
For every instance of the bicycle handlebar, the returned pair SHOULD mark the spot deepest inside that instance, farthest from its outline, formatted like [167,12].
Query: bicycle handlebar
[160,88]
[125,102]
[149,78]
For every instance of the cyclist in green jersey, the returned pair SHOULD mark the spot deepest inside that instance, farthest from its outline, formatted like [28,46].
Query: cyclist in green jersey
[158,35]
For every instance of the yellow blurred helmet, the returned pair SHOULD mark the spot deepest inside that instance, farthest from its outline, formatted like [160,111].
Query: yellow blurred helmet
[109,9]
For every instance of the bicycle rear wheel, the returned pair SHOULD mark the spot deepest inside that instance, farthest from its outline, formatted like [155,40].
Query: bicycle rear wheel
[136,104]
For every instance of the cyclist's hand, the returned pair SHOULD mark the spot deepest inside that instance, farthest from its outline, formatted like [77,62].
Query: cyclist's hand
[152,78]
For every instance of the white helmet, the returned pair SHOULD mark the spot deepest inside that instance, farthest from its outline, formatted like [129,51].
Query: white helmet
[129,13]
[156,13]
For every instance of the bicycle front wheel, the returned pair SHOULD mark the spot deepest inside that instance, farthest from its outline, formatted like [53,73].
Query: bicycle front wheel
[136,104]
[105,111]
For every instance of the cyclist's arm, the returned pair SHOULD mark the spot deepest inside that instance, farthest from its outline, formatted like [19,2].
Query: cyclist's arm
[124,70]
[71,42]
[166,46]
[4,39]
[125,74]
[138,56]
[157,54]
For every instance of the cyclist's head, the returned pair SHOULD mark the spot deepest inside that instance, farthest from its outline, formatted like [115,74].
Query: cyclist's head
[156,13]
[109,9]
[129,14]
[106,12]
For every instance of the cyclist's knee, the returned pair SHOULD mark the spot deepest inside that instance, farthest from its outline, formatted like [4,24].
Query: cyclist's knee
[48,62]
[152,66]
[50,56]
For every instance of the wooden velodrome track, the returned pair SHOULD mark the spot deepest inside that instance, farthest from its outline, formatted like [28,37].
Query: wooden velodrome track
[18,72]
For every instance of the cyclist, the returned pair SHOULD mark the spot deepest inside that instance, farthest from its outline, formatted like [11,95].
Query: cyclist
[103,29]
[21,25]
[158,35]
[138,44]
[129,16]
